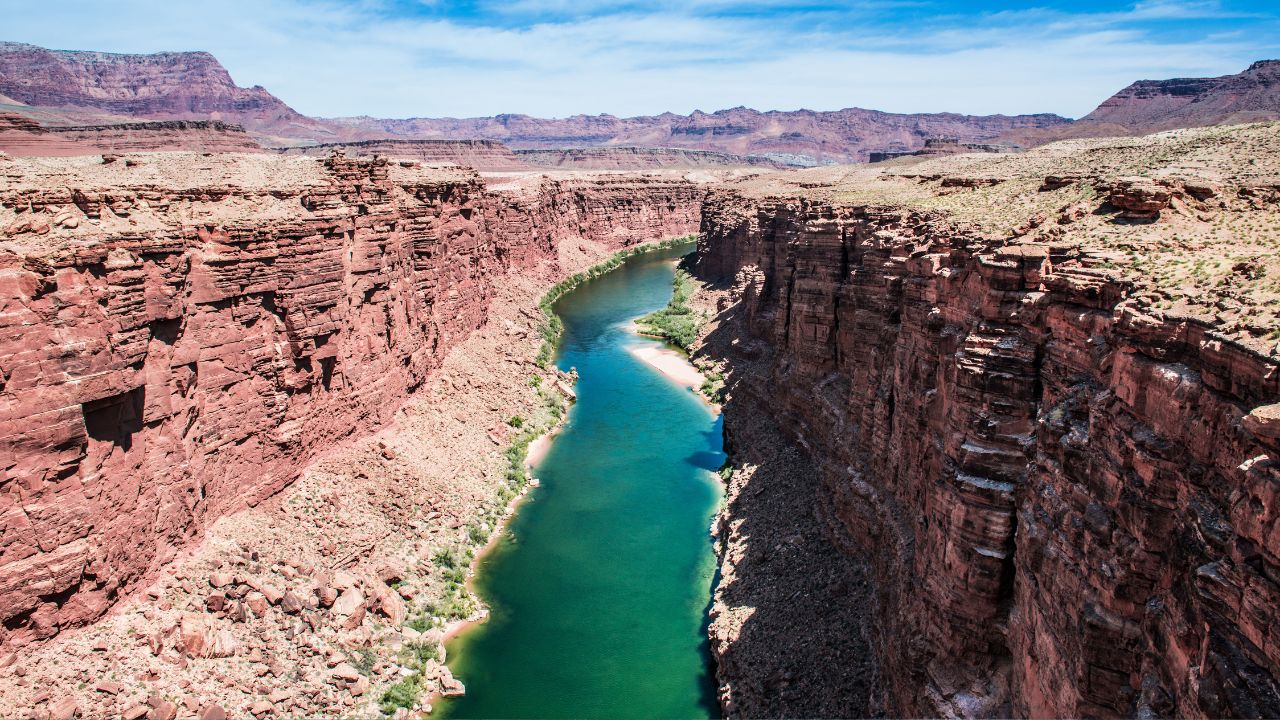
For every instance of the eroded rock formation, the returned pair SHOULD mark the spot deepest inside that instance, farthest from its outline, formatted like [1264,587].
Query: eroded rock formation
[1067,496]
[182,334]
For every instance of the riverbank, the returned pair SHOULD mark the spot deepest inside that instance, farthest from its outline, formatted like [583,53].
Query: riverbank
[670,363]
[528,449]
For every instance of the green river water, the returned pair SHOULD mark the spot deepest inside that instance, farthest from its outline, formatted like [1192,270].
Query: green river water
[600,587]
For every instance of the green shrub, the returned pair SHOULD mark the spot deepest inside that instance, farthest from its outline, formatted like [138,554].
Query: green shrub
[421,653]
[403,694]
[447,557]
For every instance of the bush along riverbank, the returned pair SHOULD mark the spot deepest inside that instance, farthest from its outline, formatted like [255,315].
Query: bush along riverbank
[457,562]
[551,327]
[677,323]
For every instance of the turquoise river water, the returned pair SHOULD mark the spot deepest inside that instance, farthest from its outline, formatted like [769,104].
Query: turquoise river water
[600,587]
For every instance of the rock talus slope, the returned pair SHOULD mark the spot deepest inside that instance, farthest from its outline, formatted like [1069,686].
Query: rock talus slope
[183,334]
[1064,488]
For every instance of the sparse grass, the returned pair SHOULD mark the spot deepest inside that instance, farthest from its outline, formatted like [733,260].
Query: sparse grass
[713,387]
[363,660]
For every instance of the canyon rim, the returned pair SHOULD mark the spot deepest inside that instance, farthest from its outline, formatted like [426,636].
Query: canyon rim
[982,408]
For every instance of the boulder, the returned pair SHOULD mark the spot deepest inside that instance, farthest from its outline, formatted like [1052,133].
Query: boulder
[291,603]
[211,712]
[201,638]
[345,672]
[163,710]
[348,602]
[63,709]
[389,604]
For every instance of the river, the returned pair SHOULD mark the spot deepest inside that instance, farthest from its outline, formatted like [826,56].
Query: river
[599,587]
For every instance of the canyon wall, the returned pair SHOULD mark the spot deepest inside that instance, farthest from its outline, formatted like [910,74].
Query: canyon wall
[478,154]
[1065,503]
[182,334]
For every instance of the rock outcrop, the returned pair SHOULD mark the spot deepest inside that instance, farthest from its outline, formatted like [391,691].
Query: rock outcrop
[183,334]
[1066,496]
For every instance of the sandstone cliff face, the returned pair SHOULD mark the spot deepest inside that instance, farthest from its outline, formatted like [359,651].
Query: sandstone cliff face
[160,86]
[183,335]
[23,137]
[1061,509]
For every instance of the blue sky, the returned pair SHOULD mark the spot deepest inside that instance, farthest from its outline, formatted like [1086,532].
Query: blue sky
[402,58]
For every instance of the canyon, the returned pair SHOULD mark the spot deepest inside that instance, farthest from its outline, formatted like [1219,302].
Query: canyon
[1036,392]
[187,334]
[1003,428]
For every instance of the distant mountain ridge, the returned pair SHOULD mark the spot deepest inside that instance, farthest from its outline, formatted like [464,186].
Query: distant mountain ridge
[1153,105]
[95,87]
[58,87]
[824,136]
[1148,106]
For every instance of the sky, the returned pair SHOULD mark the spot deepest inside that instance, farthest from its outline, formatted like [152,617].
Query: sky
[554,58]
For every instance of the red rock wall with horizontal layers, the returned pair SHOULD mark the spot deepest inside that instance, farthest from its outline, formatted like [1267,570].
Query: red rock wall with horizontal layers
[1065,500]
[171,352]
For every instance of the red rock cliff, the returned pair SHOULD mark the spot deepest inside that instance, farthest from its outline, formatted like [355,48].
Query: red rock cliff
[181,335]
[1064,508]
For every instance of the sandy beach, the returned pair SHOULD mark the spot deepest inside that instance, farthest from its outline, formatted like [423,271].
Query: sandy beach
[670,363]
[539,447]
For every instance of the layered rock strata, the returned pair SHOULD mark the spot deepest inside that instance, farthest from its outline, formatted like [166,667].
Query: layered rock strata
[183,334]
[478,154]
[639,158]
[1066,496]
[23,137]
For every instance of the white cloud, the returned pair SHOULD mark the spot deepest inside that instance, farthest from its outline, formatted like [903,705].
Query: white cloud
[328,58]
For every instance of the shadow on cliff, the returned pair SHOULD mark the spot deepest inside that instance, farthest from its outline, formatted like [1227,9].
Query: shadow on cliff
[793,607]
